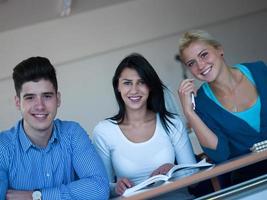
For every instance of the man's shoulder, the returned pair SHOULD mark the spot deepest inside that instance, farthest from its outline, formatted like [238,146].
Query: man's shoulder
[8,137]
[66,125]
[68,129]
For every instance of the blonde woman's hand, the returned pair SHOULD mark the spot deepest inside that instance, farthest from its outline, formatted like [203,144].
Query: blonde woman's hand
[122,185]
[186,88]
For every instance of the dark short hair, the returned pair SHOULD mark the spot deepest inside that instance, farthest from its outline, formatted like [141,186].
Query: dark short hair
[34,69]
[155,102]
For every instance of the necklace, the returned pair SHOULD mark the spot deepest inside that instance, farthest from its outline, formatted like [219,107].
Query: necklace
[233,91]
[234,108]
[230,100]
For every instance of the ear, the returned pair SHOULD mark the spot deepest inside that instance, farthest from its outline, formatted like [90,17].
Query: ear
[17,102]
[58,99]
[221,51]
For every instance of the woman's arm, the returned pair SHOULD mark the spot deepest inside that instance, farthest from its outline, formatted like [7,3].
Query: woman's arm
[206,137]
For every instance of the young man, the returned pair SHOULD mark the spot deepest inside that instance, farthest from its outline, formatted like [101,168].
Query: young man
[44,158]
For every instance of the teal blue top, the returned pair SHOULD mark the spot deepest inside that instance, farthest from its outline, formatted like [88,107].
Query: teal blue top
[250,115]
[235,136]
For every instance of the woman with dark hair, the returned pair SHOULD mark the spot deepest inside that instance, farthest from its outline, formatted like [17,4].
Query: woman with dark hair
[143,139]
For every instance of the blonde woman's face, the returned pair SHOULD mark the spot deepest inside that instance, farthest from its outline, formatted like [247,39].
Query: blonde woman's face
[203,60]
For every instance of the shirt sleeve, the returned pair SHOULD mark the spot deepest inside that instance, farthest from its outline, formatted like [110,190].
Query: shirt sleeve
[92,180]
[222,152]
[181,143]
[103,150]
[3,172]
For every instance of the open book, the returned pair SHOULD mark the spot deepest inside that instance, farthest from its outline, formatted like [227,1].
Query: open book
[178,171]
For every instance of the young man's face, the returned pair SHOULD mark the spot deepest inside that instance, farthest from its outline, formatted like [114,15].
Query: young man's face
[38,103]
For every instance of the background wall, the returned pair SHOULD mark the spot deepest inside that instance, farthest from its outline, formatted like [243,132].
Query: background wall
[86,48]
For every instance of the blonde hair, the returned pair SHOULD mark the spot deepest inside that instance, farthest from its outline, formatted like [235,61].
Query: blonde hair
[196,35]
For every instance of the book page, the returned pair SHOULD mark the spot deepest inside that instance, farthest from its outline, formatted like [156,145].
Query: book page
[200,164]
[181,170]
[146,183]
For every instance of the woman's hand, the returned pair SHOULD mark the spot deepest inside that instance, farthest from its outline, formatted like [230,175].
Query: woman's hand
[186,88]
[163,169]
[122,185]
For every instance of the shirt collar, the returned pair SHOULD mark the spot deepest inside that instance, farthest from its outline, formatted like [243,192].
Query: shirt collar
[26,142]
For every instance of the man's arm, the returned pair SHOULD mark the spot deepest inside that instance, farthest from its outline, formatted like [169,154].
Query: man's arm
[91,183]
[92,180]
[3,171]
[3,182]
[19,195]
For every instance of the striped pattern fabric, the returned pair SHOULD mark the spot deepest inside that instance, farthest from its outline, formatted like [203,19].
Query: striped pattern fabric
[68,168]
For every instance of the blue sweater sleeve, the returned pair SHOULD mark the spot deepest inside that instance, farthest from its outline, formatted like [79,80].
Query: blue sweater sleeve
[222,152]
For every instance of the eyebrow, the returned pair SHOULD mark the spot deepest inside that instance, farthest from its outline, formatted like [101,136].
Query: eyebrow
[197,55]
[126,79]
[32,94]
[48,93]
[201,52]
[186,63]
[27,95]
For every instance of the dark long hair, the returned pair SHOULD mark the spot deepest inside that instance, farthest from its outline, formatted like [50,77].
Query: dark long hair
[155,101]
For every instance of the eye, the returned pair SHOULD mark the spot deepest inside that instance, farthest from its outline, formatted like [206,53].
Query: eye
[141,82]
[191,63]
[28,97]
[204,55]
[127,83]
[48,96]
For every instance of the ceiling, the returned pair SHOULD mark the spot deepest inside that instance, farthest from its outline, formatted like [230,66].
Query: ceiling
[19,13]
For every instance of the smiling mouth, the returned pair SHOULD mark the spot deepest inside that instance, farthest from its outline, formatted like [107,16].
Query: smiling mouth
[204,73]
[40,116]
[135,98]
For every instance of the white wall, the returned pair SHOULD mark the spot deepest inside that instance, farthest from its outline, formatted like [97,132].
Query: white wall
[86,48]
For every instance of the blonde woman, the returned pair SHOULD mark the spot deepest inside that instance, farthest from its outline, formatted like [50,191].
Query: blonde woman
[231,105]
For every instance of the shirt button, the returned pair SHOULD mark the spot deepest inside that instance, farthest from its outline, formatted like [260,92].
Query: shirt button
[47,174]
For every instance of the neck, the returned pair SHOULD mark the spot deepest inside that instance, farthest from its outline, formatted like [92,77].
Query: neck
[39,138]
[226,89]
[138,117]
[227,82]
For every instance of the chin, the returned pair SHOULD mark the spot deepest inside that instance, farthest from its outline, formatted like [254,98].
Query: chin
[43,126]
[43,129]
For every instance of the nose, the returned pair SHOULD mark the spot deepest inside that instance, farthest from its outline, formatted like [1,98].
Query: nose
[39,103]
[134,88]
[201,64]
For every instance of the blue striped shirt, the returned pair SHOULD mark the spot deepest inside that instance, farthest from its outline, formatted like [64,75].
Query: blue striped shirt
[67,168]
